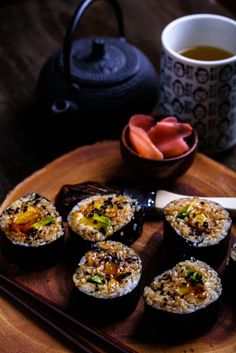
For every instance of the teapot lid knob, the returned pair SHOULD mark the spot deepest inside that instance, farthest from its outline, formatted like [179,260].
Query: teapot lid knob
[102,61]
[98,49]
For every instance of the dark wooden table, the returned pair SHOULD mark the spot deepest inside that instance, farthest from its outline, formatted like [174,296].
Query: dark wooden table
[30,31]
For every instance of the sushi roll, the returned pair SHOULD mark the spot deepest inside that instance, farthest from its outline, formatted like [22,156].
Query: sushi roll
[198,228]
[108,280]
[102,217]
[69,195]
[185,297]
[32,233]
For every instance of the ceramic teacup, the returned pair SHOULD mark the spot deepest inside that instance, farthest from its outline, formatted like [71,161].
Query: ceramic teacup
[201,92]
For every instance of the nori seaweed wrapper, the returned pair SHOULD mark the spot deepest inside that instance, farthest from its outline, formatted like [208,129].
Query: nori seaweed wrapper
[32,233]
[229,274]
[185,300]
[127,234]
[69,195]
[108,309]
[107,281]
[182,247]
[30,257]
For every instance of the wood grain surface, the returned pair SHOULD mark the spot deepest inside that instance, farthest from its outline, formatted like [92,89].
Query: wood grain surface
[101,162]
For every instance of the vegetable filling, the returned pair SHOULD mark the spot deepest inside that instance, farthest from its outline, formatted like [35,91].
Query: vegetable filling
[100,216]
[110,269]
[31,220]
[189,286]
[200,221]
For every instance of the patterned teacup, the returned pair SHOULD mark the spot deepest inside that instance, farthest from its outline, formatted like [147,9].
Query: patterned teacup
[201,92]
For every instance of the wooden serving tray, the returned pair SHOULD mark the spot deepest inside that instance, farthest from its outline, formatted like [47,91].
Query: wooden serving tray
[102,162]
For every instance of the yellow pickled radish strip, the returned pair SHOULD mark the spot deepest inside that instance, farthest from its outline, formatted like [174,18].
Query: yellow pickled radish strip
[24,221]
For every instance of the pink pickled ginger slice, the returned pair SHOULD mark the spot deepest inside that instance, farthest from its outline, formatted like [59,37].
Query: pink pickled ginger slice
[168,135]
[139,125]
[144,122]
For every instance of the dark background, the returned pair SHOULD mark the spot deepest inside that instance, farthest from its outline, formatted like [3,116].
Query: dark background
[30,31]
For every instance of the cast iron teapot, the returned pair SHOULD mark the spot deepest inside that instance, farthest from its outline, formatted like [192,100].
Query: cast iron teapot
[96,83]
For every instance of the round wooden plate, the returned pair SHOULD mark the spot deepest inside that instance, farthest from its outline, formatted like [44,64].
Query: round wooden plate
[102,162]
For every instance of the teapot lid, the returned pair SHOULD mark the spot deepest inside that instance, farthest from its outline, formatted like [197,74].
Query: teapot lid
[101,61]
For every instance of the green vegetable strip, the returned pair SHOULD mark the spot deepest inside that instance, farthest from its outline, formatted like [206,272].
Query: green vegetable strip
[194,277]
[185,211]
[102,219]
[44,221]
[96,279]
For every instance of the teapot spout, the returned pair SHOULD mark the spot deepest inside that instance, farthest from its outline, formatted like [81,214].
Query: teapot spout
[62,106]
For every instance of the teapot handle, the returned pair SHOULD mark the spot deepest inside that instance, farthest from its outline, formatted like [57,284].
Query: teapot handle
[70,33]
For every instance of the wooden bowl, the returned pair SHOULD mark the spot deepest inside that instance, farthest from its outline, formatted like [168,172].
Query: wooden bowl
[164,171]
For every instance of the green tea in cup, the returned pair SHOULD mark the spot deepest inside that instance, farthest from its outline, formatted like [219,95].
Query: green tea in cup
[206,53]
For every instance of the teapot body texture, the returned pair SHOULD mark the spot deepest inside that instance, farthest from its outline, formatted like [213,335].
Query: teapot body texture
[96,83]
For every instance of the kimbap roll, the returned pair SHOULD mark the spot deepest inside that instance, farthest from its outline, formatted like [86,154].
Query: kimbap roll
[70,194]
[108,279]
[32,233]
[186,295]
[197,228]
[102,217]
